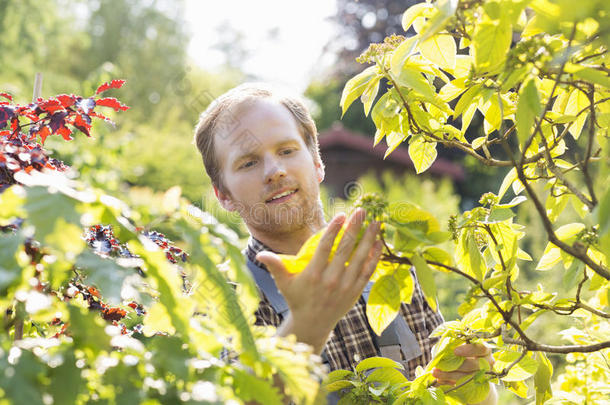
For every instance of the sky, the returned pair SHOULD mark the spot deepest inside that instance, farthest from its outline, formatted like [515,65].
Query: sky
[283,39]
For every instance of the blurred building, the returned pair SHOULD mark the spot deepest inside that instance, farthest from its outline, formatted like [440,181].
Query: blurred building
[348,155]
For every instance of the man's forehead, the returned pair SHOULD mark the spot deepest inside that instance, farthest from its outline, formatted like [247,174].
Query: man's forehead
[262,122]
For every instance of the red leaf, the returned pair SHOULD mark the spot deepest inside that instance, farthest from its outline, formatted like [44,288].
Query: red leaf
[43,133]
[6,95]
[93,291]
[66,100]
[82,125]
[111,102]
[113,314]
[65,132]
[102,116]
[115,84]
[51,105]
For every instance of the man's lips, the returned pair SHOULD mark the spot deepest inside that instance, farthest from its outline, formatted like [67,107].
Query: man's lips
[285,194]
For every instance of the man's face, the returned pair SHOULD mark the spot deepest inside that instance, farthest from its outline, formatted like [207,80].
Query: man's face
[271,178]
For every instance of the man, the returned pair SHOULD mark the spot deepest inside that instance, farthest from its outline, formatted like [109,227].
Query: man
[260,149]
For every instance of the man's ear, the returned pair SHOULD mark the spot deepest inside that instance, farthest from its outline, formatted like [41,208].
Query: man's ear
[319,170]
[225,200]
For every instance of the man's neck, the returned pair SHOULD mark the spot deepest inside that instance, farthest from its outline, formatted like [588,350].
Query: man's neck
[289,242]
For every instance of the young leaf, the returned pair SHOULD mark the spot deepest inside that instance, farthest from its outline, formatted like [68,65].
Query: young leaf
[112,103]
[491,43]
[412,13]
[440,49]
[426,279]
[114,84]
[369,94]
[524,369]
[383,303]
[376,362]
[528,108]
[422,153]
[355,87]
[542,379]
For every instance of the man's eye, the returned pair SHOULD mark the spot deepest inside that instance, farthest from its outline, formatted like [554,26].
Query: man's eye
[286,151]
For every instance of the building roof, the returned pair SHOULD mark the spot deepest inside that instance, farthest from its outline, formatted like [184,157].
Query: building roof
[338,136]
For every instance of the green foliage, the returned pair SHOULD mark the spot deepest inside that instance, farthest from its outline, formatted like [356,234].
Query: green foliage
[547,90]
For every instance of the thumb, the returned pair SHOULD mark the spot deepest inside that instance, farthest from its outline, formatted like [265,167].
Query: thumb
[274,265]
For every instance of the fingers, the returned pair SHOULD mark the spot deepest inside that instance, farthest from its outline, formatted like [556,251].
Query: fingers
[274,265]
[348,241]
[358,262]
[320,257]
[472,350]
[370,266]
[448,377]
[473,353]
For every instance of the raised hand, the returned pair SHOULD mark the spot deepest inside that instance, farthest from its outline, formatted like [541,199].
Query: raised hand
[322,293]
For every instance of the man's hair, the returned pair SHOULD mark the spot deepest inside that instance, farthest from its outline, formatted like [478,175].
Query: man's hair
[222,116]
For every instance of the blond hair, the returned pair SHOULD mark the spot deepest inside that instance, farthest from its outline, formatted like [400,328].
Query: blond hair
[221,116]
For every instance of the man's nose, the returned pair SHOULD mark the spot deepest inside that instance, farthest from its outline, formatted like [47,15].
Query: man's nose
[274,170]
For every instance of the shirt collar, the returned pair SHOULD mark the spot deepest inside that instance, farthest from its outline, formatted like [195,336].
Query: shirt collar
[254,247]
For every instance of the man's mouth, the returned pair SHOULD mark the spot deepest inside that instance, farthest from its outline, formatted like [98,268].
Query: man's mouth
[281,197]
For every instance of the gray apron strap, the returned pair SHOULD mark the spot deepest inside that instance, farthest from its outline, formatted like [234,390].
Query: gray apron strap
[265,282]
[396,338]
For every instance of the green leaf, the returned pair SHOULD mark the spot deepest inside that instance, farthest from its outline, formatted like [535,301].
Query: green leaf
[555,206]
[492,114]
[426,279]
[491,43]
[105,274]
[405,283]
[87,330]
[355,87]
[45,208]
[411,77]
[550,257]
[338,375]
[568,231]
[377,362]
[440,49]
[393,139]
[573,274]
[510,177]
[445,10]
[468,256]
[338,385]
[369,94]
[499,214]
[386,374]
[524,369]
[403,51]
[593,76]
[66,380]
[9,267]
[412,13]
[450,362]
[423,153]
[414,218]
[576,102]
[383,303]
[528,108]
[542,379]
[166,281]
[250,388]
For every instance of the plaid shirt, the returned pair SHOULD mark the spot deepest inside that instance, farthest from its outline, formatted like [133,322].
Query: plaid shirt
[352,339]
